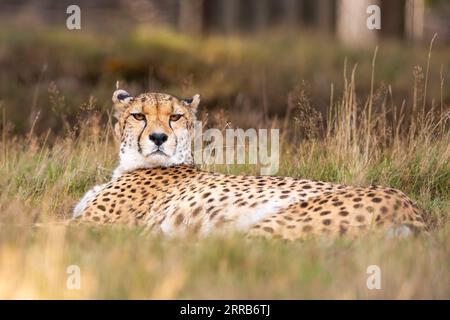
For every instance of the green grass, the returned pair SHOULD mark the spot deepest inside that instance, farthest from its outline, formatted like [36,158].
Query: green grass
[44,172]
[122,263]
[40,183]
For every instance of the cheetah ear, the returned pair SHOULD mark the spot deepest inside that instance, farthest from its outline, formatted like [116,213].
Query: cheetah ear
[193,102]
[121,97]
[121,100]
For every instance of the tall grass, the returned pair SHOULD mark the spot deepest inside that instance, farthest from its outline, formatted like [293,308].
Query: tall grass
[230,73]
[360,139]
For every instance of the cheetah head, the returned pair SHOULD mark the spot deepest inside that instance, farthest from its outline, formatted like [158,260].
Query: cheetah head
[154,129]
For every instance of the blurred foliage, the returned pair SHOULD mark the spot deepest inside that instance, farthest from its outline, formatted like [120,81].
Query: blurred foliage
[52,79]
[228,72]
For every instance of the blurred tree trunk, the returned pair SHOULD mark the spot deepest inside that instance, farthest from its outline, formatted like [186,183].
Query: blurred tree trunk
[230,13]
[325,15]
[190,16]
[414,19]
[291,12]
[352,22]
[393,18]
[261,15]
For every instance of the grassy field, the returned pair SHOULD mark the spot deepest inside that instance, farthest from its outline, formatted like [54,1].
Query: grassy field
[362,137]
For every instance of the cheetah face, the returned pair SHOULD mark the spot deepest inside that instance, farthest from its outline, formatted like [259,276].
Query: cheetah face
[155,129]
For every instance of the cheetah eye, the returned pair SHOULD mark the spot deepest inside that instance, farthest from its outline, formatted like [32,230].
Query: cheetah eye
[175,117]
[138,116]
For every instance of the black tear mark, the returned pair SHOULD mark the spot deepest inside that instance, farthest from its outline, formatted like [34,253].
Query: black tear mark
[140,135]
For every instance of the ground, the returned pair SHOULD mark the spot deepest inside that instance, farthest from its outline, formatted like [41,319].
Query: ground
[41,184]
[44,173]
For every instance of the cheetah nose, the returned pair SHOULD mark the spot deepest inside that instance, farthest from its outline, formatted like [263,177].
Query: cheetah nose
[158,138]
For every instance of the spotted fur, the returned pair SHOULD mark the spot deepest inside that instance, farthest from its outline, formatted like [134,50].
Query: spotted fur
[169,195]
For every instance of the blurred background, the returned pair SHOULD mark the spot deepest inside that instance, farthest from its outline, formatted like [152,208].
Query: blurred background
[240,55]
[353,105]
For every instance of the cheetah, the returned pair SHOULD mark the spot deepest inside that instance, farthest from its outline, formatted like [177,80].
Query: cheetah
[158,186]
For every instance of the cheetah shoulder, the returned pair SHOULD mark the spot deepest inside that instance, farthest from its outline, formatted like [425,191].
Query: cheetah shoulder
[86,200]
